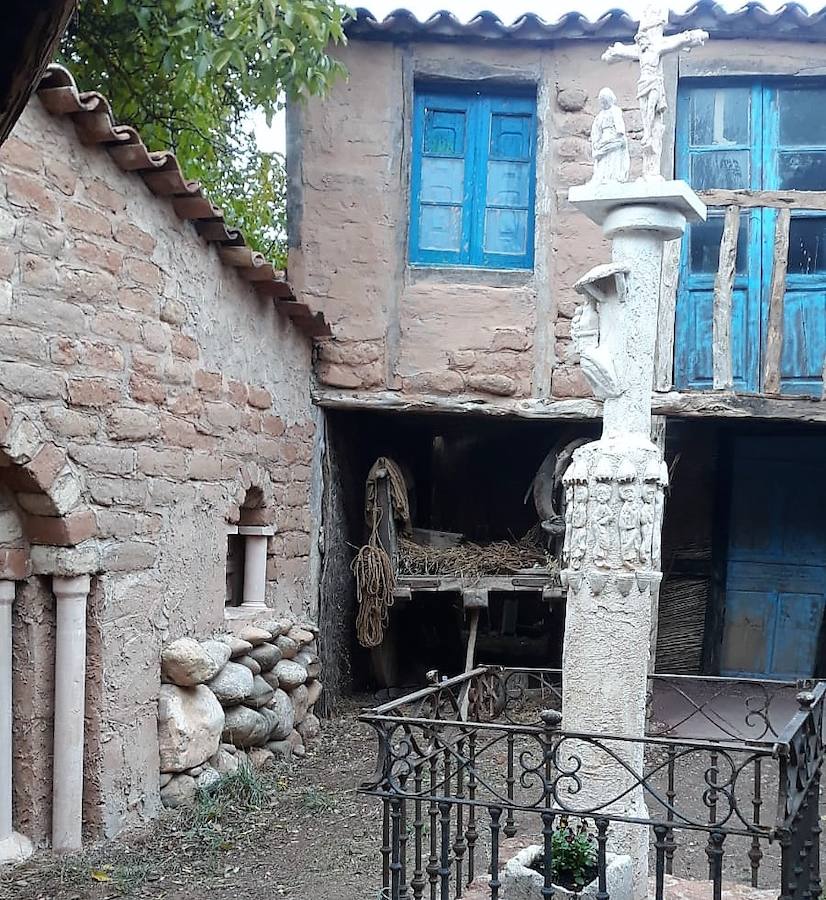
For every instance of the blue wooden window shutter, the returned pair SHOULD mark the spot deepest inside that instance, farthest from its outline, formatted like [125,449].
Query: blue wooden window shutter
[764,135]
[473,180]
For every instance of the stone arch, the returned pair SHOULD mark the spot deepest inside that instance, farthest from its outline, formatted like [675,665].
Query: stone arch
[253,499]
[44,482]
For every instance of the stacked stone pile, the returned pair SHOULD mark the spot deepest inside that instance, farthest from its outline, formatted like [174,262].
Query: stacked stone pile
[236,697]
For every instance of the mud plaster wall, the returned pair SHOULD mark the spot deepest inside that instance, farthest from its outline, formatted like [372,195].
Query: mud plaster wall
[163,377]
[451,331]
[431,330]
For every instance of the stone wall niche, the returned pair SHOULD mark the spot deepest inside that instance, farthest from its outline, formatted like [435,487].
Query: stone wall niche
[247,546]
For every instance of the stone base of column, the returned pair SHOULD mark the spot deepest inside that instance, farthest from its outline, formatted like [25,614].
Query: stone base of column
[15,848]
[614,506]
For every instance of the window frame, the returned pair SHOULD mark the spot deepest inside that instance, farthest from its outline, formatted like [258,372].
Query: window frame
[480,104]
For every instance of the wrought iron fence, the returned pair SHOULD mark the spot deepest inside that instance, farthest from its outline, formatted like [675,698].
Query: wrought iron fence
[471,761]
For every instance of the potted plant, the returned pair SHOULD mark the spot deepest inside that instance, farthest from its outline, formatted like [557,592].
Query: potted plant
[574,867]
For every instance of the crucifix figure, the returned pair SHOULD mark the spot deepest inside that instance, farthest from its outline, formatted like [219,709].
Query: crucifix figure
[649,47]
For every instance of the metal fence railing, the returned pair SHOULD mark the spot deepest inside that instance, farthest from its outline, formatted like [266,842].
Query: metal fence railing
[729,772]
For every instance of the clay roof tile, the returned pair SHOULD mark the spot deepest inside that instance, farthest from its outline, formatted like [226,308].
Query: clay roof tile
[791,21]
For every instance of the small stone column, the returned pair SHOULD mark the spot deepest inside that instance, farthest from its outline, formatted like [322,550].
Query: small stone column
[255,564]
[71,594]
[14,847]
[614,503]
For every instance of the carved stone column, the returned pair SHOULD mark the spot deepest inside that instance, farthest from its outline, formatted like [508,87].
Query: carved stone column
[14,847]
[71,594]
[615,493]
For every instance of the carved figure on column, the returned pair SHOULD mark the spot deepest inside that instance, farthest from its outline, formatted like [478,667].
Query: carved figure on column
[603,517]
[648,509]
[578,477]
[649,48]
[659,505]
[595,361]
[609,142]
[603,284]
[629,515]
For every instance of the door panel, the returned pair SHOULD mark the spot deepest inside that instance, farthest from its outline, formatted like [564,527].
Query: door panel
[748,629]
[796,633]
[776,572]
[694,314]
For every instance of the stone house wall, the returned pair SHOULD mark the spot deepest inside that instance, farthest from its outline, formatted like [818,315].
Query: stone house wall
[450,331]
[441,330]
[166,388]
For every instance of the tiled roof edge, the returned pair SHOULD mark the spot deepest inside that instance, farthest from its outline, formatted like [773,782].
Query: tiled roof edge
[791,21]
[93,120]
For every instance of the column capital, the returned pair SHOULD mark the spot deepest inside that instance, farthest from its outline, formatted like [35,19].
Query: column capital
[71,587]
[256,530]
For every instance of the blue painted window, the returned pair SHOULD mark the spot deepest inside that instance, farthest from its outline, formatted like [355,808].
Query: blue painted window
[757,135]
[473,180]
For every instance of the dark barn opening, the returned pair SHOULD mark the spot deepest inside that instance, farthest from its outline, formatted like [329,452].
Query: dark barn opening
[466,476]
[470,476]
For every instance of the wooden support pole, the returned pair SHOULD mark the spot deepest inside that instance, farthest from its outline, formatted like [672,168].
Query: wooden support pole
[469,655]
[664,353]
[774,334]
[723,290]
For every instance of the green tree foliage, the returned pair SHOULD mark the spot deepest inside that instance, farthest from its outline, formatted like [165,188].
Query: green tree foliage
[188,73]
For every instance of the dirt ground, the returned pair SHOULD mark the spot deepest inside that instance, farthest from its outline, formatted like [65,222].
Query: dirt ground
[313,838]
[307,836]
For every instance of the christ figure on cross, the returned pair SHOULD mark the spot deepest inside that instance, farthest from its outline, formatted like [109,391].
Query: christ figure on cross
[649,47]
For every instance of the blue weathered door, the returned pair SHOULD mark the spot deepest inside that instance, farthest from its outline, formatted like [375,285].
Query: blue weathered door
[776,571]
[760,136]
[794,159]
[719,139]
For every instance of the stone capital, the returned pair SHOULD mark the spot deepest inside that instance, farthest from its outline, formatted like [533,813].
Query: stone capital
[71,588]
[663,207]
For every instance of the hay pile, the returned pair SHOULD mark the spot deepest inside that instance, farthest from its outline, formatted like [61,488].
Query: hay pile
[469,560]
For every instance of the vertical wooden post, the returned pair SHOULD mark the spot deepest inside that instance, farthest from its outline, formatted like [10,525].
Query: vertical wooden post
[664,354]
[777,297]
[723,290]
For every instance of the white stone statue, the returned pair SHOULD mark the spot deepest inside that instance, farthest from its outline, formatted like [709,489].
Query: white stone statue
[649,48]
[594,359]
[609,141]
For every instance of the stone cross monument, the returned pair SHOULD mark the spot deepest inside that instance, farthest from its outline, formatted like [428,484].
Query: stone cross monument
[615,486]
[649,48]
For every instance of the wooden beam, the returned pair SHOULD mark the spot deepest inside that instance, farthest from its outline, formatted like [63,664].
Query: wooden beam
[777,297]
[718,405]
[664,358]
[723,289]
[772,199]
[689,404]
[505,407]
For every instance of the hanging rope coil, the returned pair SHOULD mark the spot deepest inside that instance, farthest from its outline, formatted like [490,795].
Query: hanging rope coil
[372,567]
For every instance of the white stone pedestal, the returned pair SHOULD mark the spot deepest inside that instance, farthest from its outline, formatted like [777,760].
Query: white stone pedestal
[614,503]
